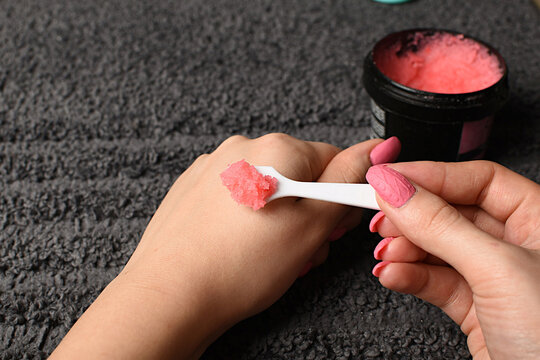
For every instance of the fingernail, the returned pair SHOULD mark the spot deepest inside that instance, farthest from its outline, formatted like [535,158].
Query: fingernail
[306,269]
[381,246]
[379,267]
[375,221]
[385,152]
[391,186]
[337,234]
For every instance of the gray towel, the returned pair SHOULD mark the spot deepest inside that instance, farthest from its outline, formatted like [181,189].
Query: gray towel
[104,103]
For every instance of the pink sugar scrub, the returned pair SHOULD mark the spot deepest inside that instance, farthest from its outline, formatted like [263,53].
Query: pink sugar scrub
[442,63]
[247,185]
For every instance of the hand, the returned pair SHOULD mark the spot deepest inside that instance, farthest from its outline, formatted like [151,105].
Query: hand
[478,259]
[205,262]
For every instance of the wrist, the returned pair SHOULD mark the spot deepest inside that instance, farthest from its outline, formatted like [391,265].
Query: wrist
[181,315]
[135,317]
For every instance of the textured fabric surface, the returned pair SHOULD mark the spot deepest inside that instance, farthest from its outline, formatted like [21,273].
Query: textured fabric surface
[104,103]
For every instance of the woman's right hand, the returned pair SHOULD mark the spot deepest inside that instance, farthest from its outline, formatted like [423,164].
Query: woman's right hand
[466,238]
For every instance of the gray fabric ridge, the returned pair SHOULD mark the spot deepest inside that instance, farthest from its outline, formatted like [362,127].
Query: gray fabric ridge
[104,103]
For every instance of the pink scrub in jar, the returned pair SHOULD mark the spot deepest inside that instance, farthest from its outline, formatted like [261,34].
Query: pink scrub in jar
[437,91]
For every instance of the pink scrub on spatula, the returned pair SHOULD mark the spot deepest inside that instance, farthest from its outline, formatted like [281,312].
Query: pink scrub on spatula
[247,185]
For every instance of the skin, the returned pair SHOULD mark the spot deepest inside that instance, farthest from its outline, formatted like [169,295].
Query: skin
[204,262]
[477,259]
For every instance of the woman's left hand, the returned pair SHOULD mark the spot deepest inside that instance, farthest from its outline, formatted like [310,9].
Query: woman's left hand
[205,262]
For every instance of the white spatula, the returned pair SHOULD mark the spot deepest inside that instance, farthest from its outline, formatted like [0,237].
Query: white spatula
[361,195]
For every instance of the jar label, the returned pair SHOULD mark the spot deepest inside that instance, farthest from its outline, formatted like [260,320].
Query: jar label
[378,121]
[440,141]
[474,136]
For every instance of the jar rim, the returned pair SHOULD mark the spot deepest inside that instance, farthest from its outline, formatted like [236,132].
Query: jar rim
[395,36]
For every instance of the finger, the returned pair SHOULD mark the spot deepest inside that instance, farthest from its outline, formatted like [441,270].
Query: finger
[379,223]
[317,259]
[350,220]
[400,249]
[432,224]
[439,285]
[349,166]
[319,155]
[307,268]
[385,152]
[496,189]
[320,255]
[481,219]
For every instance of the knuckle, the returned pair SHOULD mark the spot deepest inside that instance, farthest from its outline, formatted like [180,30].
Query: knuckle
[199,162]
[234,139]
[452,295]
[201,158]
[282,146]
[488,169]
[352,171]
[486,163]
[276,139]
[442,218]
[419,285]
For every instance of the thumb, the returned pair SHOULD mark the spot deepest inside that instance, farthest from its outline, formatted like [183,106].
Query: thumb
[348,166]
[432,224]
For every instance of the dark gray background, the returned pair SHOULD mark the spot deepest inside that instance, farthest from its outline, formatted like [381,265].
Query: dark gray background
[104,103]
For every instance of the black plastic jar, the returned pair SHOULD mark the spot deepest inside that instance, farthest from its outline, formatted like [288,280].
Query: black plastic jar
[432,126]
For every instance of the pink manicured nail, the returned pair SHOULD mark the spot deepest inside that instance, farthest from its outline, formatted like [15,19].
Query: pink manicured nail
[385,152]
[391,186]
[306,269]
[375,221]
[337,234]
[379,267]
[381,246]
